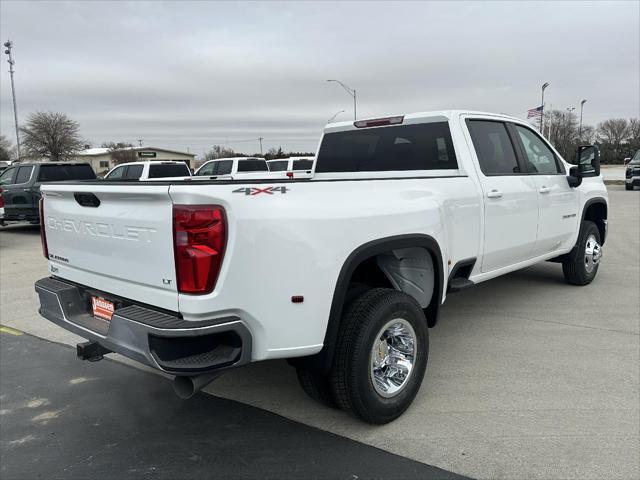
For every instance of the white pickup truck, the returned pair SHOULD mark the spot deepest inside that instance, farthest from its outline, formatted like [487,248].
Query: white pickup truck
[341,273]
[149,170]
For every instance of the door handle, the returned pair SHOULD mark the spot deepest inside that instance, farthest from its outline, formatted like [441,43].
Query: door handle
[494,194]
[544,189]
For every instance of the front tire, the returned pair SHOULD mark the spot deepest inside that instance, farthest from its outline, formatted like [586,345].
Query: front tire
[581,264]
[381,355]
[628,187]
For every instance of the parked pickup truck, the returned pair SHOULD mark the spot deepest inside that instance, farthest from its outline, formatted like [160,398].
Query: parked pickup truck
[149,170]
[342,273]
[632,171]
[20,186]
[231,168]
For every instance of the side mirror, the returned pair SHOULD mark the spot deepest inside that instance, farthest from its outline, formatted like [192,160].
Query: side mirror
[588,161]
[627,160]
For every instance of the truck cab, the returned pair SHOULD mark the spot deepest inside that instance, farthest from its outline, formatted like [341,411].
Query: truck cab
[20,186]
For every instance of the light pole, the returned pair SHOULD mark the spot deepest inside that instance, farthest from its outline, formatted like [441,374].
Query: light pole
[580,128]
[334,116]
[9,45]
[260,140]
[351,92]
[544,86]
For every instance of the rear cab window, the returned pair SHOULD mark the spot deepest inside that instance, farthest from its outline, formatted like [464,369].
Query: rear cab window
[252,165]
[419,146]
[59,173]
[164,170]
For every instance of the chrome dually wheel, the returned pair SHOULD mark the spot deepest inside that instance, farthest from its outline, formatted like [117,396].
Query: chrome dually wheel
[392,358]
[592,253]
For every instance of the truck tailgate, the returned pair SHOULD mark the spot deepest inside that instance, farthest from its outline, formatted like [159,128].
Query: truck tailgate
[114,238]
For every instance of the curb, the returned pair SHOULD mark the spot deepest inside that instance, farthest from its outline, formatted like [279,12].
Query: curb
[614,182]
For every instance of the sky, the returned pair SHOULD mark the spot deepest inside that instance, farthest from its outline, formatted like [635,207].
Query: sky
[188,75]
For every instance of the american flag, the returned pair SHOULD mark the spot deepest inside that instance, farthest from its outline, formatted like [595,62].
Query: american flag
[535,112]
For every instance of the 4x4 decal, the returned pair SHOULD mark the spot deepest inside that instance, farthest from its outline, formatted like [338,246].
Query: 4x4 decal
[257,191]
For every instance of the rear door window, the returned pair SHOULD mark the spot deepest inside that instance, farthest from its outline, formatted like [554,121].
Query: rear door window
[493,146]
[224,167]
[278,166]
[302,164]
[59,173]
[164,170]
[423,146]
[134,172]
[255,165]
[24,174]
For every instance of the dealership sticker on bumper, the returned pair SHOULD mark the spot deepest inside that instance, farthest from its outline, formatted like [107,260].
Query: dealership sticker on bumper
[102,308]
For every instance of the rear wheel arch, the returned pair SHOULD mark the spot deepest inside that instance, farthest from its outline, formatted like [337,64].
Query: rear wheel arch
[359,257]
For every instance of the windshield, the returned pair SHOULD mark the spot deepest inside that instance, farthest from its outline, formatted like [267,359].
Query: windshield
[164,170]
[636,158]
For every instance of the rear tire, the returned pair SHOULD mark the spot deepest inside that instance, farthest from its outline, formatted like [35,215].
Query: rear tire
[317,386]
[581,264]
[381,355]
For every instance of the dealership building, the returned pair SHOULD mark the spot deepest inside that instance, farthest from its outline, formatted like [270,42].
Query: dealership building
[101,159]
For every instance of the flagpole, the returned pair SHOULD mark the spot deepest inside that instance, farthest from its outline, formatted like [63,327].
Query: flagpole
[544,85]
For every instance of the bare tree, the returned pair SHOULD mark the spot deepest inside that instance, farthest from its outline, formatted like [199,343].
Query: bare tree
[121,152]
[51,135]
[6,149]
[563,131]
[634,134]
[612,133]
[218,151]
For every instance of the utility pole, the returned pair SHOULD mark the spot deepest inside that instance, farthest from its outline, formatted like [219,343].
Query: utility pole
[260,140]
[9,45]
[351,92]
[580,128]
[139,142]
[544,86]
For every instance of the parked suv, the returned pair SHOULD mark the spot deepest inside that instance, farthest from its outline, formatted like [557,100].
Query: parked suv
[20,186]
[632,174]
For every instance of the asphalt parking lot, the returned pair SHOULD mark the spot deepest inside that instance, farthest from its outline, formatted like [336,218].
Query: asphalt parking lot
[528,377]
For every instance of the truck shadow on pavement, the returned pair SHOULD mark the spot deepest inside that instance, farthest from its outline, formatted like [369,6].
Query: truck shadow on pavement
[63,418]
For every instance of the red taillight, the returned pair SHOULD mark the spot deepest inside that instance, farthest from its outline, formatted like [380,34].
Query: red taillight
[199,239]
[43,233]
[1,199]
[379,122]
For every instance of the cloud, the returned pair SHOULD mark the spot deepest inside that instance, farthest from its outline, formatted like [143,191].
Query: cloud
[190,74]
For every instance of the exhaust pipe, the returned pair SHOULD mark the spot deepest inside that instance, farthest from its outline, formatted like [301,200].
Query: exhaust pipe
[187,387]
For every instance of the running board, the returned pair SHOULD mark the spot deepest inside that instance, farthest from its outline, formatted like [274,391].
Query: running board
[457,284]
